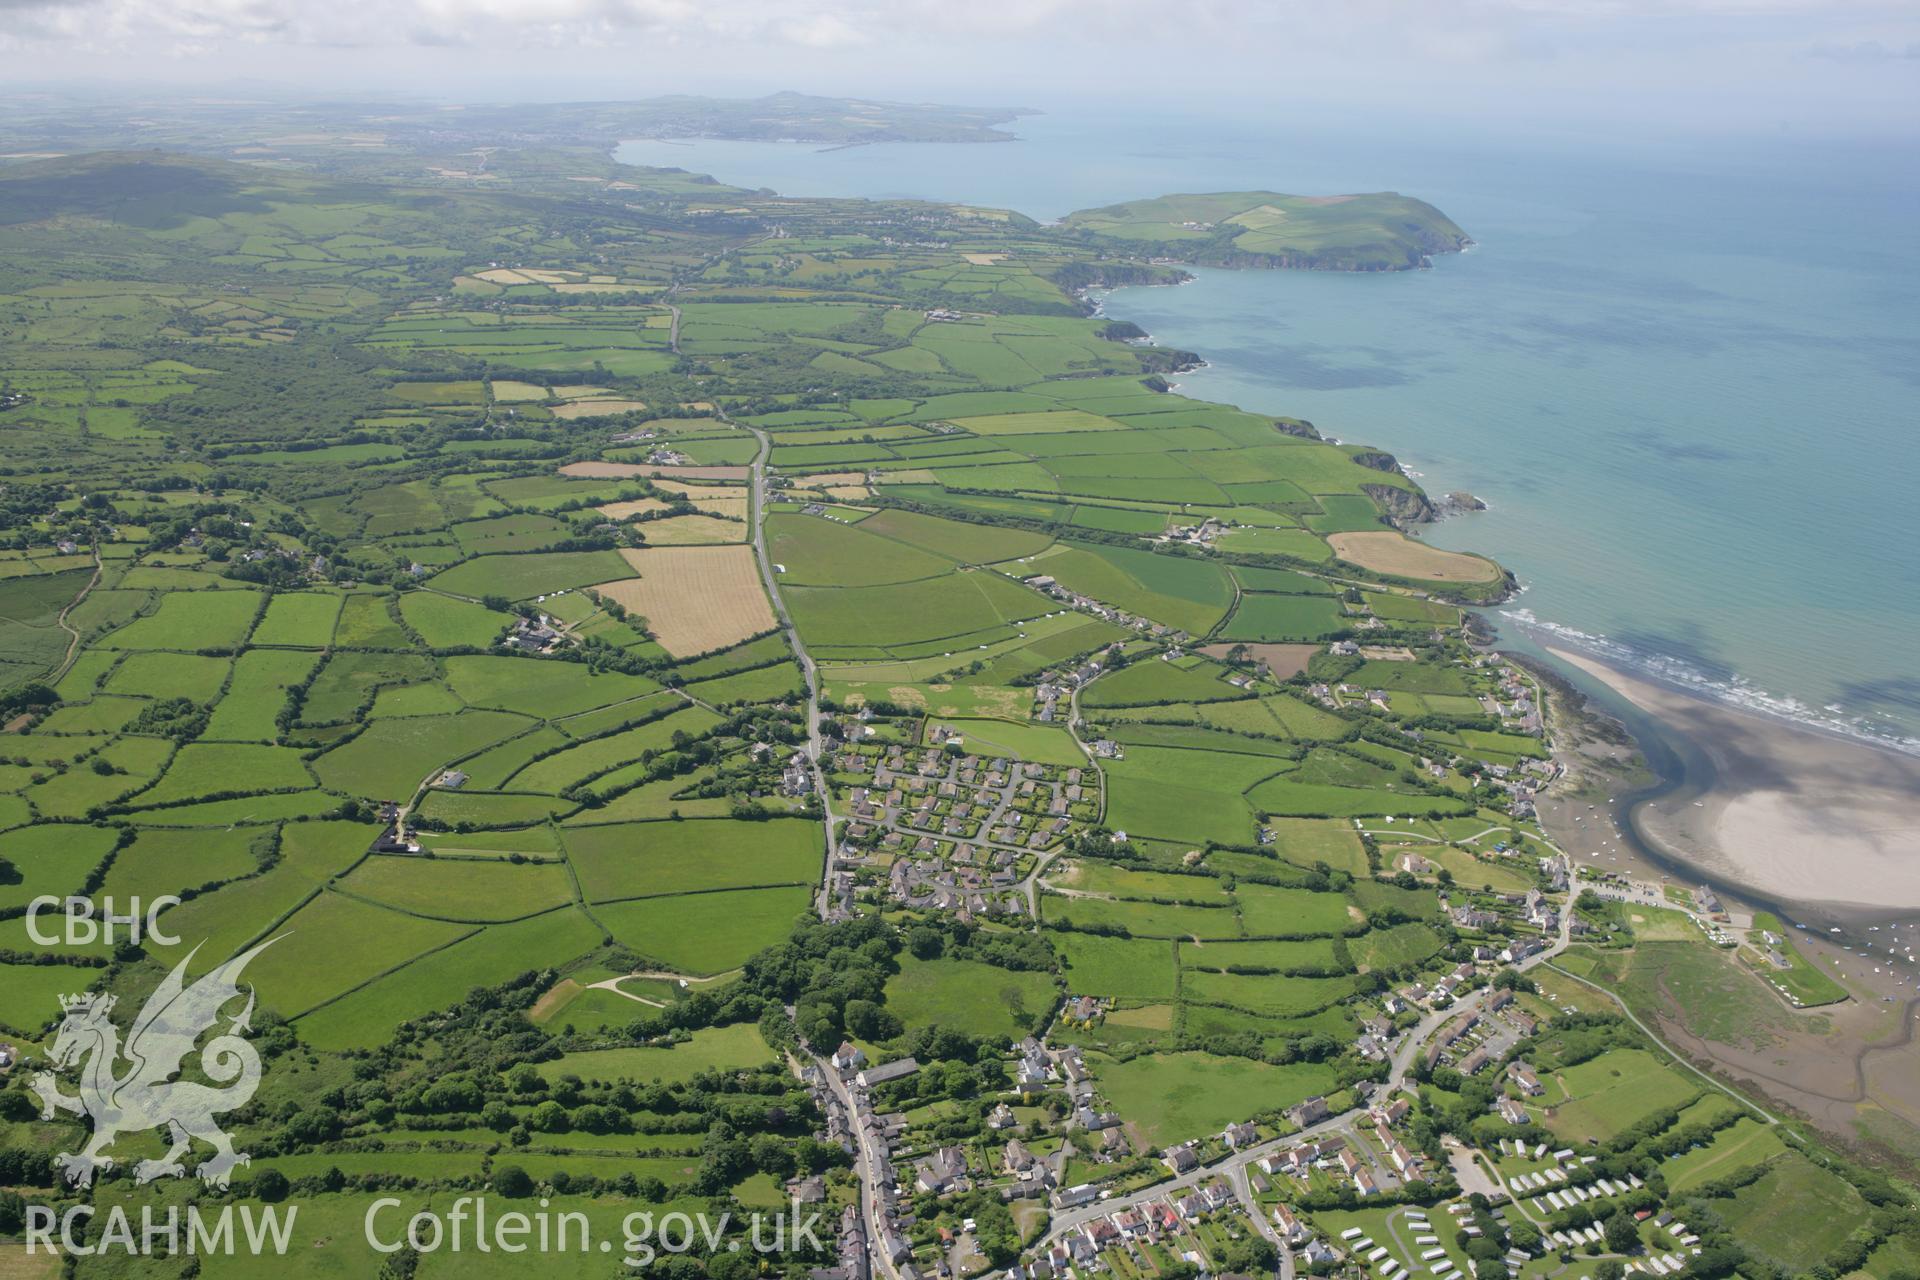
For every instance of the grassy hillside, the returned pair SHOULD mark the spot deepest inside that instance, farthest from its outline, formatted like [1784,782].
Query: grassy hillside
[1378,231]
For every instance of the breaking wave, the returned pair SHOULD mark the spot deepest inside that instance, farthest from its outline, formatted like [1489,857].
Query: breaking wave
[1735,690]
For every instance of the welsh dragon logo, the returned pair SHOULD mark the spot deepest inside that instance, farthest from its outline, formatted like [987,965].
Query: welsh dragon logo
[144,1095]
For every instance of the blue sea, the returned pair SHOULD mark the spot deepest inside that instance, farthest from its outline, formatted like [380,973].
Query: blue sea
[1685,377]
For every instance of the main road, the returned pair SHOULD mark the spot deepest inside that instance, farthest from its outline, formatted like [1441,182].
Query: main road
[864,1158]
[769,576]
[757,517]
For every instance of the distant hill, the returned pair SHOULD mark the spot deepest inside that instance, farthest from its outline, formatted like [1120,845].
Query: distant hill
[801,116]
[1379,231]
[359,136]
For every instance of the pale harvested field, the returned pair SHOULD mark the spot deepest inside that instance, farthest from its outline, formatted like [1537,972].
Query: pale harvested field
[554,999]
[829,479]
[701,494]
[695,599]
[594,286]
[685,426]
[595,408]
[983,259]
[639,506]
[1282,660]
[508,392]
[620,470]
[726,508]
[701,473]
[849,492]
[693,531]
[602,470]
[16,1265]
[1384,551]
[714,499]
[502,275]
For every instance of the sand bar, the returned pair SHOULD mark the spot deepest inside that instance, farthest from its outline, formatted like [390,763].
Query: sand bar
[1796,815]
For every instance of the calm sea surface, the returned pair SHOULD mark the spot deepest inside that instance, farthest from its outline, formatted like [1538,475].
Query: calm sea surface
[1685,380]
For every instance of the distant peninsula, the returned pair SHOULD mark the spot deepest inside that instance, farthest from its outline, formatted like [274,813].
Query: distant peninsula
[1378,231]
[363,137]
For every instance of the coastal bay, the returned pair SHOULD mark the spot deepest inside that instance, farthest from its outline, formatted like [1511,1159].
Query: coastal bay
[1789,813]
[1680,380]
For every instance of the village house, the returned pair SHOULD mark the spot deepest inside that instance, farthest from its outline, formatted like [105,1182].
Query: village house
[1241,1135]
[889,1071]
[943,1172]
[1525,1080]
[1291,1229]
[1308,1112]
[1391,1113]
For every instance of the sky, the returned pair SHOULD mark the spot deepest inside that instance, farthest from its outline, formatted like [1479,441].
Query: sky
[1799,67]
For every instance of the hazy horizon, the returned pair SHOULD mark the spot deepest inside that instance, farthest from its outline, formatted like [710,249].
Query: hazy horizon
[1647,68]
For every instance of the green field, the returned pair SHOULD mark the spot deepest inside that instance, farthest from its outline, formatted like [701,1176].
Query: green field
[440,979]
[460,889]
[1743,1145]
[1160,683]
[956,607]
[445,622]
[187,621]
[653,859]
[962,995]
[301,619]
[1138,970]
[717,1048]
[1042,744]
[1169,1098]
[325,415]
[519,576]
[1824,1211]
[1185,795]
[822,552]
[705,932]
[1611,1092]
[1189,595]
[1285,618]
[393,757]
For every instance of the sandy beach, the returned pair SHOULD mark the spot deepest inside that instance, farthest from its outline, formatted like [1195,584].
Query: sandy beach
[1793,815]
